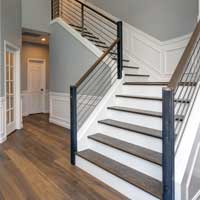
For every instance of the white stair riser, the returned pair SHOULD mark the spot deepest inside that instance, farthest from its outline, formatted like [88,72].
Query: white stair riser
[151,105]
[136,78]
[139,104]
[151,90]
[137,119]
[131,70]
[118,184]
[136,90]
[142,140]
[129,160]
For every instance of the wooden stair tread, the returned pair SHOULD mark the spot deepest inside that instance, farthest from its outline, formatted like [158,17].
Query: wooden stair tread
[101,46]
[84,32]
[140,75]
[131,127]
[124,60]
[90,36]
[142,112]
[97,41]
[130,67]
[138,179]
[150,98]
[76,26]
[159,83]
[132,149]
[147,83]
[139,97]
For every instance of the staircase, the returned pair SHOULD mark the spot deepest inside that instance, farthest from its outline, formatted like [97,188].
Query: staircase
[122,136]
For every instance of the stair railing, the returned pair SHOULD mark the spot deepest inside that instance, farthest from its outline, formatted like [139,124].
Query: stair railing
[100,77]
[178,98]
[87,20]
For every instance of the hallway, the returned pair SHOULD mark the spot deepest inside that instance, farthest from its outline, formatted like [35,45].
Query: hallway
[34,165]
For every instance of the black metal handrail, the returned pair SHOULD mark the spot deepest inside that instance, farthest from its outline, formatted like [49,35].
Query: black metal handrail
[178,98]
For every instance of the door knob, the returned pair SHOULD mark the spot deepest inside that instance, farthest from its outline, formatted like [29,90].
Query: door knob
[41,90]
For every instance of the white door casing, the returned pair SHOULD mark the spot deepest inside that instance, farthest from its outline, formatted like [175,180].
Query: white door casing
[12,90]
[36,75]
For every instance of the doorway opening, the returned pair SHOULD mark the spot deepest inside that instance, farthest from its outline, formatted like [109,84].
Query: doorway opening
[35,72]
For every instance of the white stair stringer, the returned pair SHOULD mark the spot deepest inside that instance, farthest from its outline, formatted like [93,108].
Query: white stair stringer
[118,184]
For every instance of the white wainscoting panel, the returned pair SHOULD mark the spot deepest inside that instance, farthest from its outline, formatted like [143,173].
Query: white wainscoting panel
[157,58]
[27,105]
[2,120]
[60,109]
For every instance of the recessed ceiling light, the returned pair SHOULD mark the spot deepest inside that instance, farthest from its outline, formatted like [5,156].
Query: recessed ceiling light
[43,39]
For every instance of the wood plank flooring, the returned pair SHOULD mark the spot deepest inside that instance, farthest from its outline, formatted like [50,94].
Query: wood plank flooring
[34,165]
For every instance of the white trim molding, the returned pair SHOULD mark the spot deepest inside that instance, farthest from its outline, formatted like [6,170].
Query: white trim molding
[27,98]
[3,135]
[17,71]
[157,58]
[59,109]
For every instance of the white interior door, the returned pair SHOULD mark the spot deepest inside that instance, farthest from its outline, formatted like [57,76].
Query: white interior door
[36,85]
[10,91]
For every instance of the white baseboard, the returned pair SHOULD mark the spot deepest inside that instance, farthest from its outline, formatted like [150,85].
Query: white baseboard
[59,122]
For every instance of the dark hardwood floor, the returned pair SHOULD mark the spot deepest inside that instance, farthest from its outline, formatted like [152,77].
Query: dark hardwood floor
[34,165]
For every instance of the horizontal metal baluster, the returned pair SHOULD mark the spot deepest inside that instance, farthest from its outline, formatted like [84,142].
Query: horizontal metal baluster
[96,86]
[108,29]
[72,15]
[95,79]
[99,69]
[191,91]
[189,59]
[72,20]
[105,81]
[183,86]
[75,8]
[101,19]
[101,31]
[82,114]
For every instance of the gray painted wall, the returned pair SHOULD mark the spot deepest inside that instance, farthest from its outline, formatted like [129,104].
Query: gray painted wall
[69,59]
[163,19]
[10,17]
[37,52]
[36,14]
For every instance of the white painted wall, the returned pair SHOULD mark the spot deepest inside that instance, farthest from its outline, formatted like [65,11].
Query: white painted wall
[36,14]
